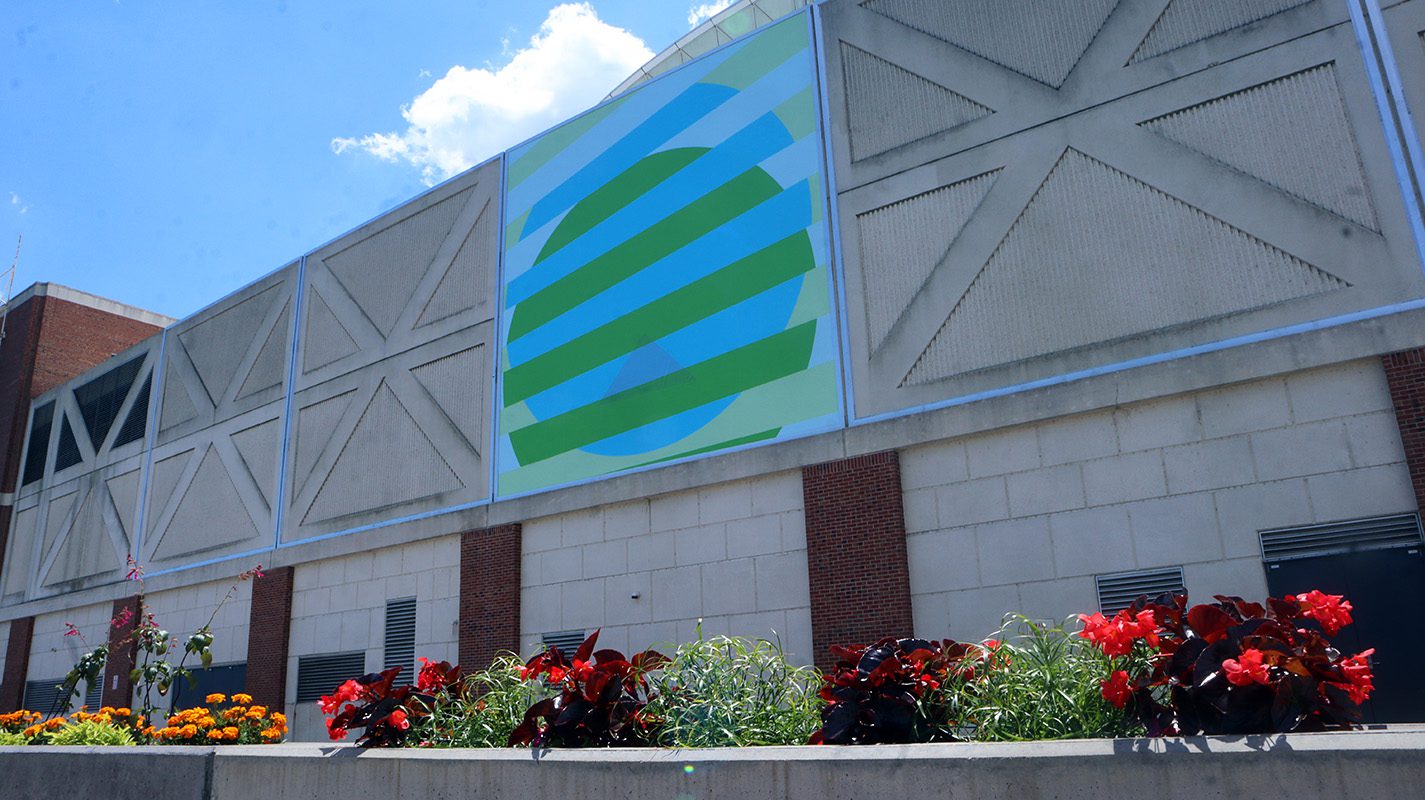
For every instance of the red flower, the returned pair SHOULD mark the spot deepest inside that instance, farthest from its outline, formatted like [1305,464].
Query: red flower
[1115,637]
[345,693]
[336,732]
[1116,689]
[122,618]
[1330,610]
[398,720]
[1247,669]
[431,678]
[1357,670]
[70,629]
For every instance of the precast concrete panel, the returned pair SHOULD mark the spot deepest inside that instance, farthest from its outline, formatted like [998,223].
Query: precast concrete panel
[1405,24]
[75,526]
[1028,190]
[391,408]
[228,359]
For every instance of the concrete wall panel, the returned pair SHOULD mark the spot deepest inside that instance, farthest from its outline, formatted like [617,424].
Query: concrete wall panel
[1026,193]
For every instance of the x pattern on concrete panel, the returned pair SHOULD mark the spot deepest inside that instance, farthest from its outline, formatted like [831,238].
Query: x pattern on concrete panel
[1029,189]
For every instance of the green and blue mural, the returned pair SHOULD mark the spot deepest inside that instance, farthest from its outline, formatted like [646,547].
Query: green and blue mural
[667,284]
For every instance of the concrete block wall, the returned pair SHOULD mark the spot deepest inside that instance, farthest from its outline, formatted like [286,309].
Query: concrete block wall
[731,554]
[183,611]
[1023,519]
[52,654]
[339,605]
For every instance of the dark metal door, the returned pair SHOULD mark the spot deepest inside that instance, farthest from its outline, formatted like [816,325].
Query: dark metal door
[1385,588]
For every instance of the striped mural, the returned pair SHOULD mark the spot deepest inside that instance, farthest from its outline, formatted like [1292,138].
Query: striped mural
[666,272]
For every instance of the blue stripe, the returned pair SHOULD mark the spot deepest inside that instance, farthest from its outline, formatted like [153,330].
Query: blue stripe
[752,320]
[733,157]
[758,228]
[697,102]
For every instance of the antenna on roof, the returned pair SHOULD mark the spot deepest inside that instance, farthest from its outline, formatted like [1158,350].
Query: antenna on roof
[9,278]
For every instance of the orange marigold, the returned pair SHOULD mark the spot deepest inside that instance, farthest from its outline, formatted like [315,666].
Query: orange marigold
[215,697]
[188,731]
[242,699]
[272,734]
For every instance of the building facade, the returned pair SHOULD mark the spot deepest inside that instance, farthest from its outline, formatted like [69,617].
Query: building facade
[887,316]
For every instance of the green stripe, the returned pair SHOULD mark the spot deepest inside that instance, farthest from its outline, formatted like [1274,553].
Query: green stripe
[776,356]
[798,114]
[556,141]
[739,441]
[674,311]
[675,231]
[763,53]
[631,184]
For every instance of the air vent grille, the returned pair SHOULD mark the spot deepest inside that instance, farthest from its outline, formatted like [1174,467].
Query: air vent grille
[1374,533]
[68,454]
[39,443]
[319,675]
[566,641]
[44,695]
[100,399]
[137,421]
[1117,592]
[401,638]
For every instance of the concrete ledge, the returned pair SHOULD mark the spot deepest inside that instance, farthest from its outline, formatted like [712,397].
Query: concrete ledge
[1384,763]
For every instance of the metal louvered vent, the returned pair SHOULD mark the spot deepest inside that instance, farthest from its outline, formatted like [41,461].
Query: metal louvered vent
[319,675]
[566,641]
[44,695]
[1374,533]
[136,423]
[1117,592]
[401,638]
[100,399]
[68,454]
[39,443]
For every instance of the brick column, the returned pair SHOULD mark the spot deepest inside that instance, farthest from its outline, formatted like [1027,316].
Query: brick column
[489,594]
[856,552]
[17,664]
[269,626]
[118,689]
[1405,374]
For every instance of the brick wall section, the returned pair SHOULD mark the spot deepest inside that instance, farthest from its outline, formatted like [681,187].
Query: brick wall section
[269,626]
[17,363]
[76,337]
[489,594]
[856,552]
[118,688]
[1405,373]
[17,664]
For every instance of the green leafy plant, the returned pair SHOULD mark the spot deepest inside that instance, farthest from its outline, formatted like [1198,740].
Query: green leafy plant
[92,732]
[488,707]
[733,692]
[8,739]
[1034,681]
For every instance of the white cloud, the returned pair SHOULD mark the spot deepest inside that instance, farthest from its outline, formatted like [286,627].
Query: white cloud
[705,11]
[18,204]
[471,114]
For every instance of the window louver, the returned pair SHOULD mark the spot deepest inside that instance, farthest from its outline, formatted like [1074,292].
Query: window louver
[566,641]
[401,638]
[39,443]
[1117,592]
[68,454]
[319,675]
[136,423]
[100,399]
[44,695]
[1374,533]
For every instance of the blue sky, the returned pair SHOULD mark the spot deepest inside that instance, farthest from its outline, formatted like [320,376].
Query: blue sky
[166,154]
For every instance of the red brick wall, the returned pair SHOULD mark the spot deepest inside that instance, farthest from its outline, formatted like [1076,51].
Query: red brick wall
[17,362]
[118,689]
[17,664]
[856,552]
[489,594]
[76,337]
[1405,372]
[267,636]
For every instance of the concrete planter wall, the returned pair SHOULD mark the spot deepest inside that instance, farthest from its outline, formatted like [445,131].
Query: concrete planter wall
[1371,764]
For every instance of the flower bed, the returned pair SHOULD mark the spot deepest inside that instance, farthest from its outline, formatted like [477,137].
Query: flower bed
[1157,668]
